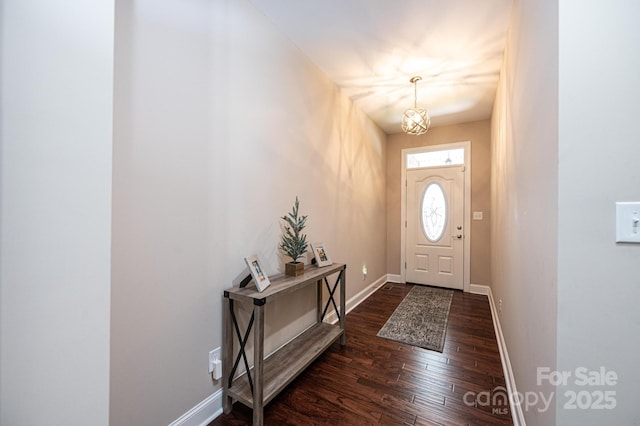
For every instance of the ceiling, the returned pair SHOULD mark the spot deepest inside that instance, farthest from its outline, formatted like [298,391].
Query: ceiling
[371,48]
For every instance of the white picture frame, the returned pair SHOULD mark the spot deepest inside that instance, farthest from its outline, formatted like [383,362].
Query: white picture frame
[257,272]
[321,255]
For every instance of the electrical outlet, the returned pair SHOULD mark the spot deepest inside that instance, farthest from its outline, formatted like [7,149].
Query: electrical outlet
[500,306]
[213,356]
[364,272]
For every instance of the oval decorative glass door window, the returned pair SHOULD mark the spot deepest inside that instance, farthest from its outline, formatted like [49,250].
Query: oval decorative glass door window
[434,212]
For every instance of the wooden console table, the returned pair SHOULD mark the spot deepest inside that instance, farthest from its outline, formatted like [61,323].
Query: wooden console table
[261,383]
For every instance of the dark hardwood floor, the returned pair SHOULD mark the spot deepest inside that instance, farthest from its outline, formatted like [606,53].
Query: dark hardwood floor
[377,381]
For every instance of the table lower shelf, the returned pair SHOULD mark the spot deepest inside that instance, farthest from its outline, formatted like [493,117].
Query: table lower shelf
[284,365]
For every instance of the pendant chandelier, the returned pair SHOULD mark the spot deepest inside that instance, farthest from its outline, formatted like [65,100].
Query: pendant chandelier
[415,121]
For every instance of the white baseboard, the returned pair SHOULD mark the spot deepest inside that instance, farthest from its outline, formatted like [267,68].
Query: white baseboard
[203,413]
[479,289]
[516,409]
[393,278]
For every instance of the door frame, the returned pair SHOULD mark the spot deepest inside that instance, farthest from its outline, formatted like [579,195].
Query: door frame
[467,207]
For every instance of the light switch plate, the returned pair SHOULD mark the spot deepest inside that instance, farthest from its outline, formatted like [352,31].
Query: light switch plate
[628,222]
[477,215]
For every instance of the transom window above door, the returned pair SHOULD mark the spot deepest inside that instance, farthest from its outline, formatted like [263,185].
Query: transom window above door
[447,157]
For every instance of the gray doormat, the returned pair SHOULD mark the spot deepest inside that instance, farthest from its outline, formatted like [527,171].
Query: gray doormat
[420,319]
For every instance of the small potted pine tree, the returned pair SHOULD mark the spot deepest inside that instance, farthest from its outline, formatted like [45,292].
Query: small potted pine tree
[294,242]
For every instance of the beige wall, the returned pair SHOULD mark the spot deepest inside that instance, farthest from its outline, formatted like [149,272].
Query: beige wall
[569,291]
[478,133]
[525,198]
[55,217]
[219,123]
[598,280]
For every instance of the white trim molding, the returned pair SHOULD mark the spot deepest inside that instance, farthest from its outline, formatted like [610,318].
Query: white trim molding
[393,278]
[479,289]
[203,413]
[516,409]
[467,206]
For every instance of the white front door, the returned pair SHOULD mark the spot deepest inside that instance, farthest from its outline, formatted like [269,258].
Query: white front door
[435,219]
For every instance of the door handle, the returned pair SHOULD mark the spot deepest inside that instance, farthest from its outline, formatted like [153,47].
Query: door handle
[459,236]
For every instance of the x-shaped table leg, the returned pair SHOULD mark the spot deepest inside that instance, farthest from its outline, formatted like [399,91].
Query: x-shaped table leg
[243,342]
[331,299]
